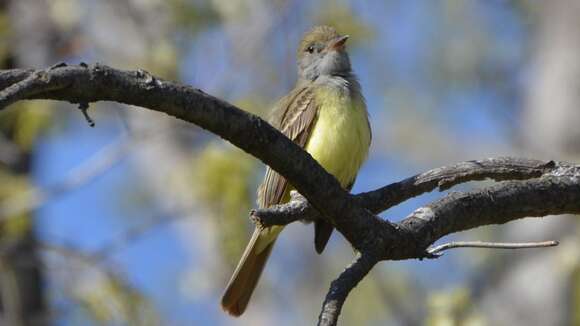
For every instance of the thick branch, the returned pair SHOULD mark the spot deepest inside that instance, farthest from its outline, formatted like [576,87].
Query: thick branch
[498,204]
[13,76]
[497,169]
[85,84]
[557,191]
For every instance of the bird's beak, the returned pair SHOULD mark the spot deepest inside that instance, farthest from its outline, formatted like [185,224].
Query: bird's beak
[338,43]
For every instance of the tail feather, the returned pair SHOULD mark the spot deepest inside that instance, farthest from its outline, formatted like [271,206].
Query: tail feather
[245,278]
[322,233]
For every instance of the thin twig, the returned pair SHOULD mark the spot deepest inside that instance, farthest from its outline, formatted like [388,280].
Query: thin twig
[341,287]
[436,251]
[84,107]
[285,214]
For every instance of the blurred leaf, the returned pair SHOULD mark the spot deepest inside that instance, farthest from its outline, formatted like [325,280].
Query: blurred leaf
[33,119]
[4,36]
[232,9]
[452,308]
[192,16]
[163,59]
[222,180]
[13,186]
[365,305]
[65,13]
[113,302]
[255,105]
[529,10]
[339,15]
[26,121]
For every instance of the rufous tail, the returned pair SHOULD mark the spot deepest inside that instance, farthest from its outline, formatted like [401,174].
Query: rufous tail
[245,277]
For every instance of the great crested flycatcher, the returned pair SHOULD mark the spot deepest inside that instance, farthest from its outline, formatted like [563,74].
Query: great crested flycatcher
[325,114]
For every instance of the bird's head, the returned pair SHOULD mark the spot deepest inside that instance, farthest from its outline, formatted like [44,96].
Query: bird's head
[322,52]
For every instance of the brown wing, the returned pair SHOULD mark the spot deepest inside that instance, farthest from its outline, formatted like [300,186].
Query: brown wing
[294,116]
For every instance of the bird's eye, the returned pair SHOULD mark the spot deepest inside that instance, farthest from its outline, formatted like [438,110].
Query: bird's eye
[310,49]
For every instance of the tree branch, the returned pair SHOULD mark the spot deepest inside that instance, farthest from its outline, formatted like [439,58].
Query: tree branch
[496,204]
[341,287]
[497,169]
[379,200]
[547,187]
[85,84]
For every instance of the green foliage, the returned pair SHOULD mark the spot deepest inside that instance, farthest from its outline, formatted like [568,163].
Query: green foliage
[163,59]
[25,121]
[193,16]
[223,181]
[110,301]
[13,186]
[365,304]
[337,13]
[452,308]
[255,105]
[4,36]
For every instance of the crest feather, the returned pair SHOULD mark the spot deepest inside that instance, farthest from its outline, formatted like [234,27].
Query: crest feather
[318,34]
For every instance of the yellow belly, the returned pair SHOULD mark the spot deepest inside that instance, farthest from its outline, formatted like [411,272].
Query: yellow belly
[341,136]
[339,141]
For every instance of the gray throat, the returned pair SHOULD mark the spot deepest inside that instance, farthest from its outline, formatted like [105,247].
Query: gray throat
[344,83]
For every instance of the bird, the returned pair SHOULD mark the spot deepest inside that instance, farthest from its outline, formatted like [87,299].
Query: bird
[326,115]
